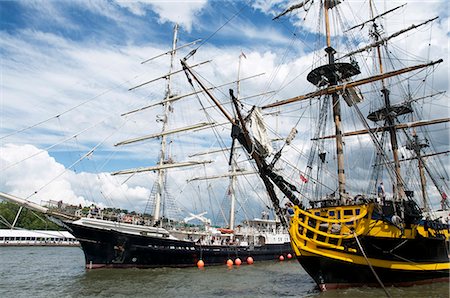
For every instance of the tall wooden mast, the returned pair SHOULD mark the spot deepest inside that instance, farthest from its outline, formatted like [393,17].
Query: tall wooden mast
[233,177]
[399,188]
[416,145]
[167,109]
[329,72]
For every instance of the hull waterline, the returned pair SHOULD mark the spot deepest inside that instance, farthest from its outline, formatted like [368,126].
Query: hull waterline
[332,274]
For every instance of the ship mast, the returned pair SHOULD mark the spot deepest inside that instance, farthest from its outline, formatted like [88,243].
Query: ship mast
[399,190]
[233,161]
[232,192]
[167,110]
[332,80]
[416,145]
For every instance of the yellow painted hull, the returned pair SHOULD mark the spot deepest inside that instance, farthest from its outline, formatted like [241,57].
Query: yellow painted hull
[353,245]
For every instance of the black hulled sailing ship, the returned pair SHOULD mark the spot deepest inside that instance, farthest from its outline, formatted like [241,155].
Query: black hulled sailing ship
[162,242]
[113,244]
[345,239]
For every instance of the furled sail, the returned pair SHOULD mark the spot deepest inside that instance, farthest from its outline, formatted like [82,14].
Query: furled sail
[259,132]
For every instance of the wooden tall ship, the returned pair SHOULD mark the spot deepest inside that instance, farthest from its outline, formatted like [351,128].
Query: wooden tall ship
[373,238]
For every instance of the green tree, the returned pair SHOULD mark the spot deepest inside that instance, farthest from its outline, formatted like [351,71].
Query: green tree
[28,219]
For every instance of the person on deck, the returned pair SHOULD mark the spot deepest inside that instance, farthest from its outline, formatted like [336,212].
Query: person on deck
[381,193]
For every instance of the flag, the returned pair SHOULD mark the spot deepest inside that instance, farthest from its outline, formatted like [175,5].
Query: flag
[243,55]
[303,178]
[444,196]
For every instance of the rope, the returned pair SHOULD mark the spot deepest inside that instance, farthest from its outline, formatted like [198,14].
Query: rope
[370,265]
[63,113]
[215,32]
[51,146]
[90,152]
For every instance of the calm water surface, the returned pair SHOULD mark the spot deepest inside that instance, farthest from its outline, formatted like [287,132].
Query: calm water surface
[59,272]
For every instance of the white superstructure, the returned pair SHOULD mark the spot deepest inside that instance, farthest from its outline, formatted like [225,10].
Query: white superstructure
[10,237]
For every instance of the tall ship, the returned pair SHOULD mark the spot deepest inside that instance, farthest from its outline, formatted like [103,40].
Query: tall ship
[160,241]
[358,220]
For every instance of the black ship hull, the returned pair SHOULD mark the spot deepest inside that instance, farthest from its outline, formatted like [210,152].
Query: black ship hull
[401,263]
[334,274]
[113,249]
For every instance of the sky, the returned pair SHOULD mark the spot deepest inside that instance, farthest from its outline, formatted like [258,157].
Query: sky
[66,67]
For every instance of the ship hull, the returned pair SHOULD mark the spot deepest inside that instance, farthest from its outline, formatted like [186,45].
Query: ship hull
[113,249]
[335,274]
[353,245]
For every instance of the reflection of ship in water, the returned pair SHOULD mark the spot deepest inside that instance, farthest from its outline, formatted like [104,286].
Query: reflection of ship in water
[350,236]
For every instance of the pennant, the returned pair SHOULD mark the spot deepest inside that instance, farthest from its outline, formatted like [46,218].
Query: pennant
[303,178]
[243,55]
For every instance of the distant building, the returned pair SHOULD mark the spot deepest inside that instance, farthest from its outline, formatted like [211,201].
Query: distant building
[36,238]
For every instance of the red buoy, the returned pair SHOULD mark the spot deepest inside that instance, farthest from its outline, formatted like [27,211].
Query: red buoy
[237,261]
[249,260]
[281,258]
[200,264]
[229,262]
[289,256]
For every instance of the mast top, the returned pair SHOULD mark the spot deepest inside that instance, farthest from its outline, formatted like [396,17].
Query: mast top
[326,73]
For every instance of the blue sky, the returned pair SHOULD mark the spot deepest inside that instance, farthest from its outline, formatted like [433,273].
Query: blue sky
[80,57]
[119,23]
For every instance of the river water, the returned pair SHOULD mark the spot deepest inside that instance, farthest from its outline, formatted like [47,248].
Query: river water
[59,272]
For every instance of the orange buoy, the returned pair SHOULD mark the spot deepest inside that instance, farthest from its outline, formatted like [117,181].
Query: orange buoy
[200,264]
[230,262]
[281,258]
[238,261]
[249,260]
[289,256]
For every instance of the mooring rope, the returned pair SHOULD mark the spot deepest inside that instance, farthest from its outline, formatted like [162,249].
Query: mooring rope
[370,266]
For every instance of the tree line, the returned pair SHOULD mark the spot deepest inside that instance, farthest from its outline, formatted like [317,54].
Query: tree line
[30,220]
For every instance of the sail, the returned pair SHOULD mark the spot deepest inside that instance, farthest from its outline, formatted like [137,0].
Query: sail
[259,132]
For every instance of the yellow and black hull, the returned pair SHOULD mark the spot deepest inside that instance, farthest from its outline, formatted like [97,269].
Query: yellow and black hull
[348,246]
[330,274]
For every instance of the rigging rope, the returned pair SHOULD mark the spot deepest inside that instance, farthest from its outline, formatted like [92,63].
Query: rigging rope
[52,146]
[90,152]
[214,33]
[63,113]
[370,265]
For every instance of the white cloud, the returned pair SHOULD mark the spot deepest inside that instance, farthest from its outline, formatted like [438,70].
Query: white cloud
[258,34]
[41,178]
[267,6]
[135,7]
[35,173]
[181,12]
[43,11]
